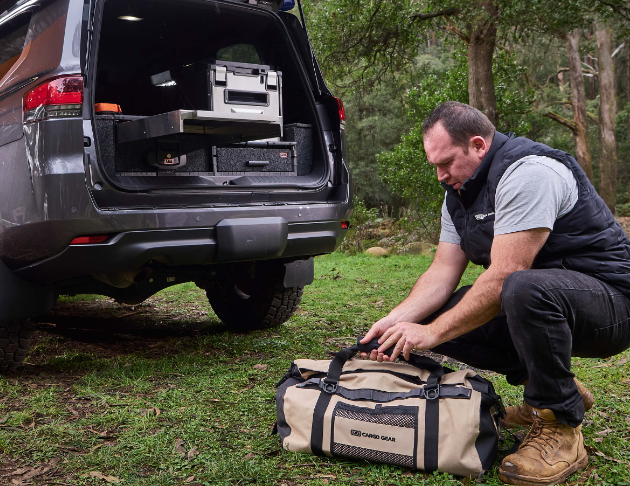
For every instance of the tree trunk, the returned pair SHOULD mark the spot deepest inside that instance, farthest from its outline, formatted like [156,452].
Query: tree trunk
[607,113]
[591,79]
[578,101]
[480,51]
[628,81]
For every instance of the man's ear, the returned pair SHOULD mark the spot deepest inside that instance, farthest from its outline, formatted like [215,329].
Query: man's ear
[479,145]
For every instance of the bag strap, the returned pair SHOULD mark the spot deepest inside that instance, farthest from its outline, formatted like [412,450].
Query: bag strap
[330,383]
[452,391]
[432,425]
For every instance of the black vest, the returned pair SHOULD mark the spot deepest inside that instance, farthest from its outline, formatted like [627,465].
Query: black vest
[587,239]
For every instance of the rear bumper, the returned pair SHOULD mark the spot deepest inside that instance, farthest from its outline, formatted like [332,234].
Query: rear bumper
[264,238]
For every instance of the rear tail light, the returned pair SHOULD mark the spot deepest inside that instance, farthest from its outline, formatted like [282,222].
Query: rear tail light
[342,111]
[87,240]
[60,97]
[345,224]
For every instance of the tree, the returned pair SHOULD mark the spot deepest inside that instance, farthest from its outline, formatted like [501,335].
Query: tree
[406,168]
[579,126]
[607,114]
[578,102]
[358,42]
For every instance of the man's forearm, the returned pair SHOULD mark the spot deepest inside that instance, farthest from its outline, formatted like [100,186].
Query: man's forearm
[429,293]
[480,304]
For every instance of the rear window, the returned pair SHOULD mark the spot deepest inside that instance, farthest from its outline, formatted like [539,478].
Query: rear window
[12,39]
[239,53]
[140,39]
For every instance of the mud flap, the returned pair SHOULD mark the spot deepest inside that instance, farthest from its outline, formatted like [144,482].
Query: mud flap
[246,239]
[299,273]
[20,299]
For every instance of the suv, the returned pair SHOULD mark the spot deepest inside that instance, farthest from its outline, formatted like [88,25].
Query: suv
[147,143]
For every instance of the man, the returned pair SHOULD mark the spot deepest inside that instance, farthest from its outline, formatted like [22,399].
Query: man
[557,282]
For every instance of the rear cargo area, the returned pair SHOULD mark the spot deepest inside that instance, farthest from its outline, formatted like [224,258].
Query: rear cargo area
[202,94]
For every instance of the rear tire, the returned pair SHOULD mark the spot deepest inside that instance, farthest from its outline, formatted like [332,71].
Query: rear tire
[252,296]
[15,340]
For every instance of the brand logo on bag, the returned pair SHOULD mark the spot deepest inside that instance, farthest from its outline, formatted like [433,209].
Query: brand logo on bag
[358,433]
[284,155]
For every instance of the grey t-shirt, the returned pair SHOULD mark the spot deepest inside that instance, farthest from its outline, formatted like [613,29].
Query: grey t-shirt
[534,192]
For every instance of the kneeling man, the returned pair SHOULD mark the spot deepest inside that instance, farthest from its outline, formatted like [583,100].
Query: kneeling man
[557,282]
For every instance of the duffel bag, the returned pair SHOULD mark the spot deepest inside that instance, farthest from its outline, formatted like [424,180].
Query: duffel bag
[416,414]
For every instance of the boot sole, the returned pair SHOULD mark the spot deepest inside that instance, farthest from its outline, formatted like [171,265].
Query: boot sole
[533,481]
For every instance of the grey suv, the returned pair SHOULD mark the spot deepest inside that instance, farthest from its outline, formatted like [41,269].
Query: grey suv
[146,143]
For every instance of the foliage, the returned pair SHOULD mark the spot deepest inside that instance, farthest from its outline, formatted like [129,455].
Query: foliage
[406,168]
[376,120]
[362,214]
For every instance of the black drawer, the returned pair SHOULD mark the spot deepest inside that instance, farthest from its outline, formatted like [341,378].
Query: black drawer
[256,158]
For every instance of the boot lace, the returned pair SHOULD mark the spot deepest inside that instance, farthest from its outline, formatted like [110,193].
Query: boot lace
[543,435]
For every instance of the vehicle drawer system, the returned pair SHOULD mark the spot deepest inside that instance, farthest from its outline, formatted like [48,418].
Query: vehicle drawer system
[237,129]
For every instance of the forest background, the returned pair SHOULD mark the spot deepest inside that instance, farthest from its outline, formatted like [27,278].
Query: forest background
[555,72]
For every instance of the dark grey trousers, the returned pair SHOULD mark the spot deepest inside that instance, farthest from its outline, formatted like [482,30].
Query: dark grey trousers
[547,316]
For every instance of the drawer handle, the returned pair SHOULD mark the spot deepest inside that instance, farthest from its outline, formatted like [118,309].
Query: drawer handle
[257,163]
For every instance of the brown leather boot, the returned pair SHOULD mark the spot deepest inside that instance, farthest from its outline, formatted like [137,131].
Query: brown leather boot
[522,415]
[549,454]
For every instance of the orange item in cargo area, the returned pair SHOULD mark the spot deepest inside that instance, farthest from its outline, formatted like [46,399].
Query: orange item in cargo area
[107,107]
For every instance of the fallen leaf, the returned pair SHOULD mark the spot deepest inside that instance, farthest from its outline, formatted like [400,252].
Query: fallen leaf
[155,411]
[215,400]
[261,367]
[622,361]
[602,414]
[190,479]
[604,432]
[628,420]
[192,453]
[598,440]
[249,456]
[331,476]
[67,448]
[593,450]
[100,475]
[604,365]
[38,471]
[248,387]
[4,419]
[179,446]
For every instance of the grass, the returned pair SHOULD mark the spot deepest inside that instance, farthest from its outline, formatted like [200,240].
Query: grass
[164,394]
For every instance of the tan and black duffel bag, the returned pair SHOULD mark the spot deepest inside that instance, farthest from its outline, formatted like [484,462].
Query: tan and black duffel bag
[415,414]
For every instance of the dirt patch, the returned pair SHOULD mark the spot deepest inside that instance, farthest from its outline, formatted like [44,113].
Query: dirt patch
[106,329]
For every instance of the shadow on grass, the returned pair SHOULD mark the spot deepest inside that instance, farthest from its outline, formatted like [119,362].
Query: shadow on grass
[79,336]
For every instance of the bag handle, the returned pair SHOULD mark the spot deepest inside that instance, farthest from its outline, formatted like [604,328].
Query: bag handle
[336,365]
[422,362]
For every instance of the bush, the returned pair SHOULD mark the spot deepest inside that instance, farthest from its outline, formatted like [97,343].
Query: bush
[406,168]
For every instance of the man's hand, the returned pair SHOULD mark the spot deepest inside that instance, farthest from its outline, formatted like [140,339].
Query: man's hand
[378,329]
[430,292]
[407,336]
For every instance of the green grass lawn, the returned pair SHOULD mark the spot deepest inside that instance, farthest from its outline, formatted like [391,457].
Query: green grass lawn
[164,394]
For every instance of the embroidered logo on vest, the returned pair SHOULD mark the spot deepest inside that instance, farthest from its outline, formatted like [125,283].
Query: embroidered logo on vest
[482,216]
